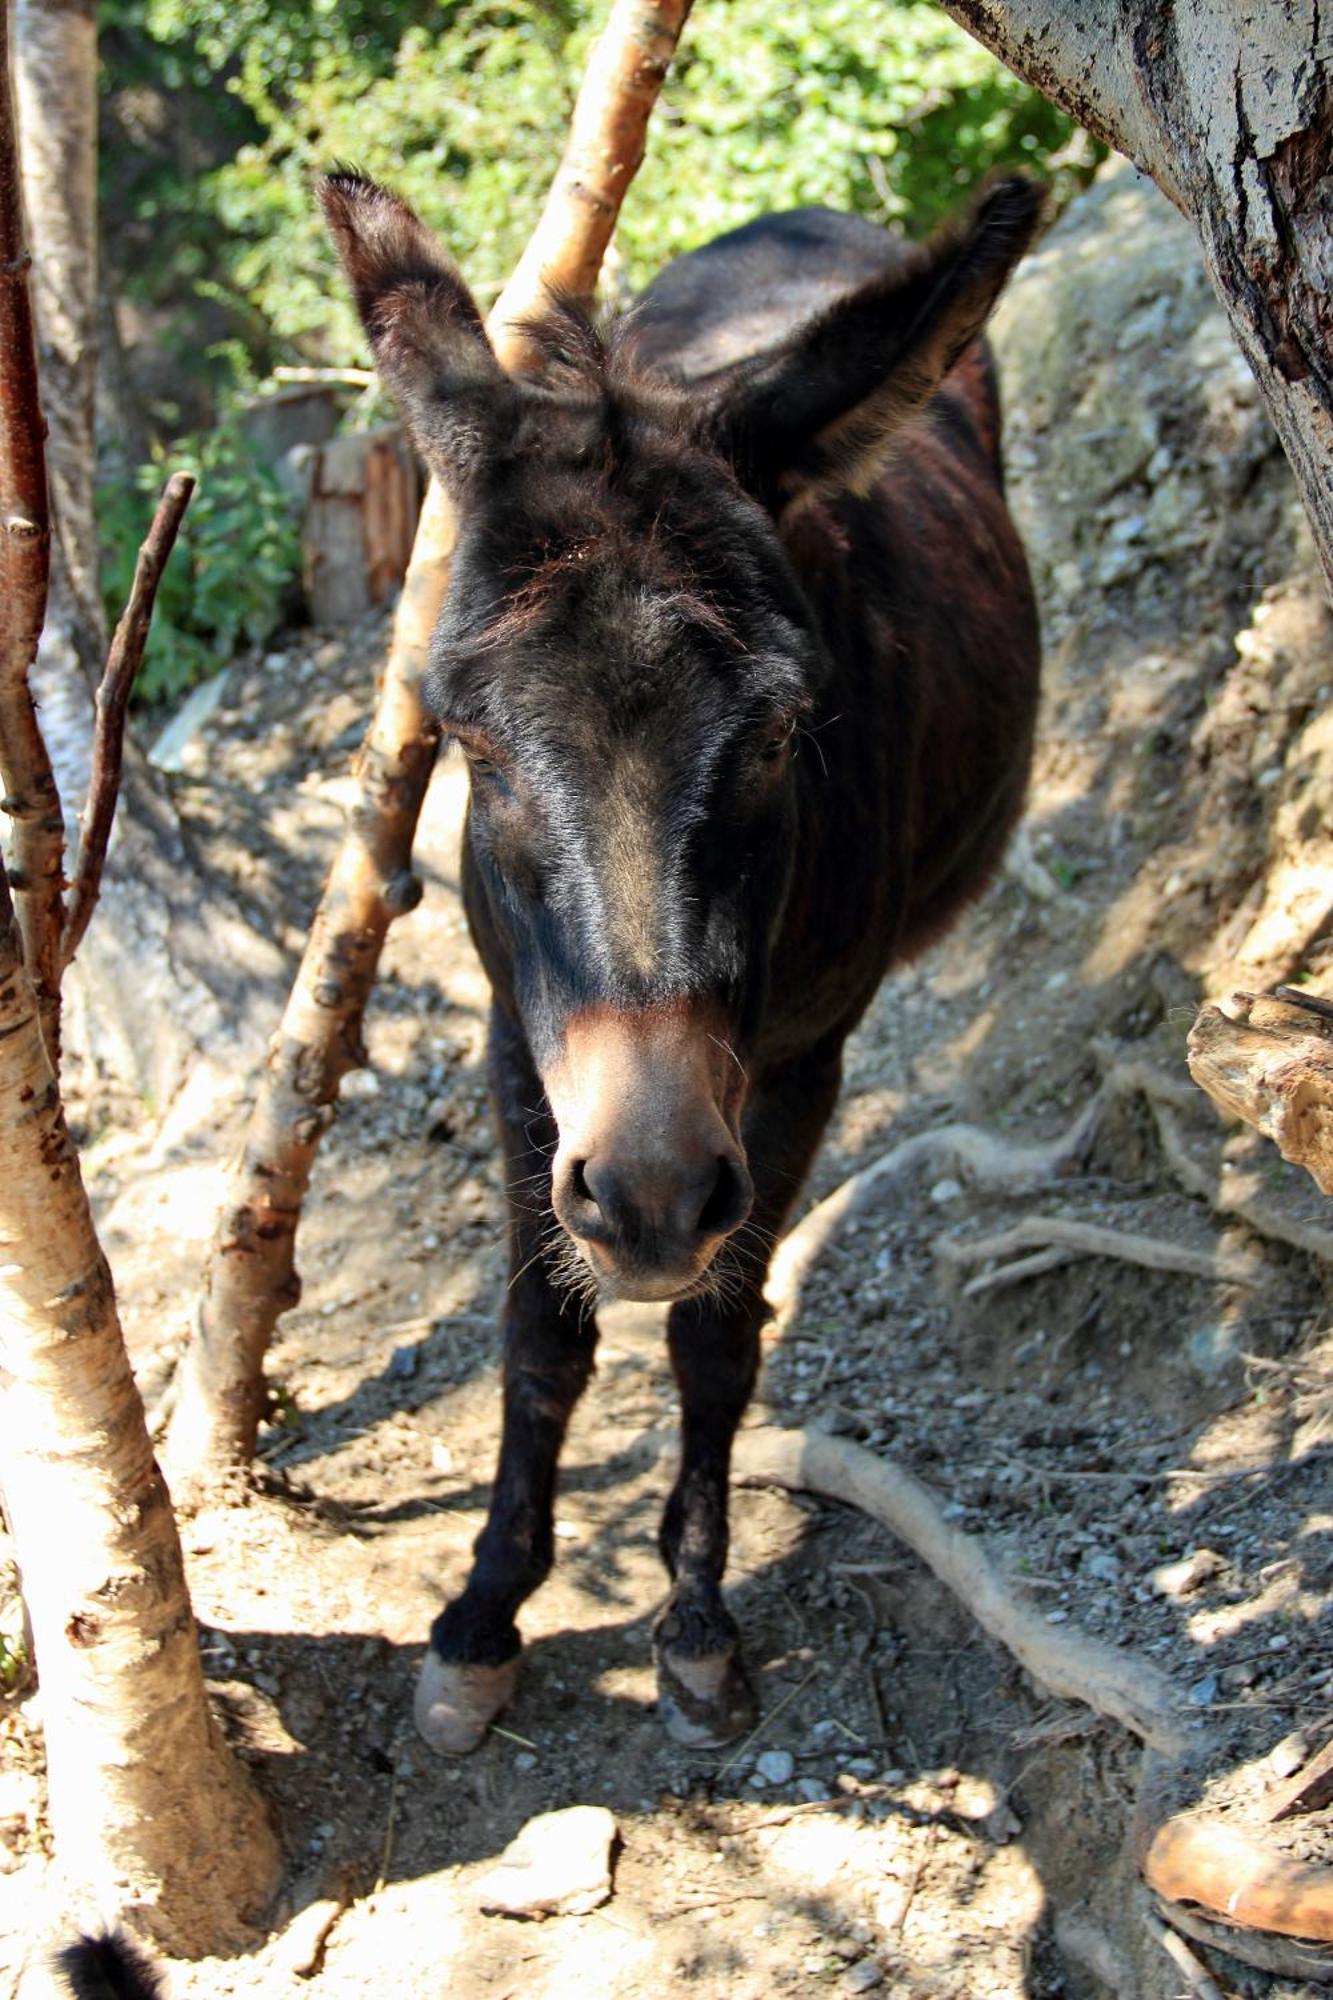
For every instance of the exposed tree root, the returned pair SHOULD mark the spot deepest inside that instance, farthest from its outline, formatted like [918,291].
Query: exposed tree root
[1090,1239]
[1130,1691]
[1171,1099]
[997,1166]
[1289,1958]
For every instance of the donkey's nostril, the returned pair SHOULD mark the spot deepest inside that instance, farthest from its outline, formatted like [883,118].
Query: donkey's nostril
[578,1181]
[728,1202]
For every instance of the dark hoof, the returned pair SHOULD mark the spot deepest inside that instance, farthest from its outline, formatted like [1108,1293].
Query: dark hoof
[457,1702]
[704,1703]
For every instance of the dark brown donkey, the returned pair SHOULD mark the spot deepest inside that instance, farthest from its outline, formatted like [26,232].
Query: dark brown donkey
[741,650]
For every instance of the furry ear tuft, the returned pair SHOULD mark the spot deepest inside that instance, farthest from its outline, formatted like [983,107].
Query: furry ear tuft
[821,414]
[425,331]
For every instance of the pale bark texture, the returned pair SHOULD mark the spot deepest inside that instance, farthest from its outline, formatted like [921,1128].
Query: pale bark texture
[1228,105]
[28,795]
[151,1815]
[251,1276]
[55,79]
[152,1818]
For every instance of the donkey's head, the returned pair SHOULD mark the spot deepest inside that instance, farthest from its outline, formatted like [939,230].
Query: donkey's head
[625,657]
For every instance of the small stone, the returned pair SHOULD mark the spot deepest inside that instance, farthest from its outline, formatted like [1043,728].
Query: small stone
[1178,1579]
[1203,1692]
[863,1977]
[1103,1566]
[775,1767]
[403,1363]
[441,1458]
[360,1084]
[1286,1758]
[525,1761]
[947,1189]
[811,1789]
[559,1864]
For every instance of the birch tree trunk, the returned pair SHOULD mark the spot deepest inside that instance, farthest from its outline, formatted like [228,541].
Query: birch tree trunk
[153,1819]
[55,83]
[1228,105]
[152,1816]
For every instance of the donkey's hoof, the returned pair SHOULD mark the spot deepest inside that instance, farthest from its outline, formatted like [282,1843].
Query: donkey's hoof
[704,1702]
[457,1701]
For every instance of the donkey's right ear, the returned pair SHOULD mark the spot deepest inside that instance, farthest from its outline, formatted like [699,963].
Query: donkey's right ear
[426,334]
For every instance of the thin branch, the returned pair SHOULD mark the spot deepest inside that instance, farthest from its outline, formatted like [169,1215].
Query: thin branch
[113,700]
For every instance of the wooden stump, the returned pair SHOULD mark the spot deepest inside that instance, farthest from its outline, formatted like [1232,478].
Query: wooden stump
[1269,1060]
[364,495]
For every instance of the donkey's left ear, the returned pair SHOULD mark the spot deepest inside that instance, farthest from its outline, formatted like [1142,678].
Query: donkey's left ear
[425,332]
[819,414]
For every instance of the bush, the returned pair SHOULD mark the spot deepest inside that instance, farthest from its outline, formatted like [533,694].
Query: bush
[232,576]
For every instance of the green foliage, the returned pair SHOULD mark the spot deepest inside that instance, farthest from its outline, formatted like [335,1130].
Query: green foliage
[232,574]
[463,106]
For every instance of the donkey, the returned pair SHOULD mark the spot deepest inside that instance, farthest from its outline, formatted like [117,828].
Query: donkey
[741,650]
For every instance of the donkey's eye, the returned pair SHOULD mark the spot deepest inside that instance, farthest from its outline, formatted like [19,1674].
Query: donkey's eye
[480,765]
[779,739]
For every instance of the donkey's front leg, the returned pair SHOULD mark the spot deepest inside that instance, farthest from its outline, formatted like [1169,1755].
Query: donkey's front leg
[550,1338]
[703,1694]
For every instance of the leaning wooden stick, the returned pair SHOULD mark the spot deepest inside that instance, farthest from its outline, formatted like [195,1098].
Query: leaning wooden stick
[27,785]
[251,1277]
[113,700]
[1131,1691]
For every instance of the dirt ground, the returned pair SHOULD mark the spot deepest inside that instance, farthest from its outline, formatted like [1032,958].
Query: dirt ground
[939,1826]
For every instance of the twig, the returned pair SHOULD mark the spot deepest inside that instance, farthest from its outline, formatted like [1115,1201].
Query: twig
[353,378]
[1116,1683]
[1015,1273]
[1090,1239]
[391,1819]
[765,1722]
[1201,1980]
[113,699]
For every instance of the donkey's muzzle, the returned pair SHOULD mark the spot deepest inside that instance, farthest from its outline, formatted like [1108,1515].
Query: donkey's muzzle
[650,1176]
[650,1229]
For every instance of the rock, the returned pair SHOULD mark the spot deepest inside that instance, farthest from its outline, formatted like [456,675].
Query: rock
[559,1864]
[1103,1566]
[775,1767]
[1178,1579]
[1203,1693]
[946,1190]
[1287,1757]
[359,1084]
[863,1977]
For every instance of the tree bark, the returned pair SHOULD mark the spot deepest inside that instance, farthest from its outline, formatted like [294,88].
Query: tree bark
[55,78]
[251,1277]
[1228,105]
[151,1815]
